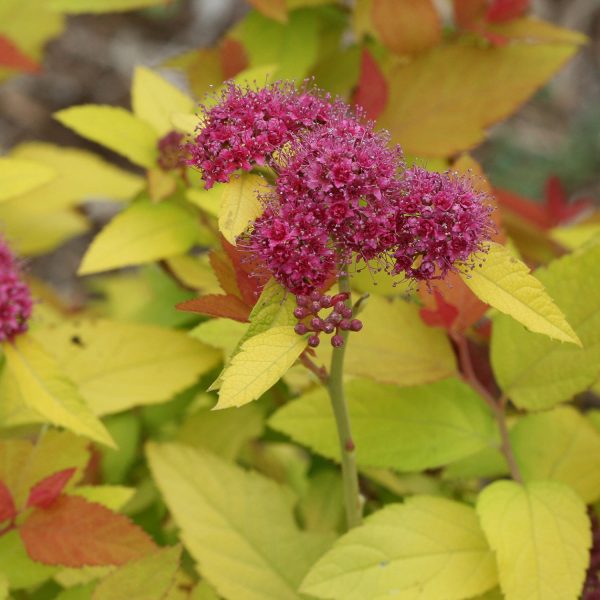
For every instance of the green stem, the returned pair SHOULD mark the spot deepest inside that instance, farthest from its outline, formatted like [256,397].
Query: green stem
[335,386]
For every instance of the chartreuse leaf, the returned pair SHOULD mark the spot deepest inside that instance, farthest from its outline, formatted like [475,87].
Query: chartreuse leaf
[396,346]
[48,391]
[115,128]
[425,548]
[20,571]
[142,233]
[505,283]
[409,429]
[101,6]
[540,534]
[3,587]
[224,334]
[259,364]
[559,445]
[81,176]
[148,578]
[239,526]
[113,497]
[19,176]
[434,110]
[154,100]
[535,372]
[240,205]
[120,365]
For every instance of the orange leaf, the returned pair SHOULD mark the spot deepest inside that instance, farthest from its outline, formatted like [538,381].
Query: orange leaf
[372,89]
[73,532]
[407,26]
[233,57]
[274,9]
[218,305]
[441,102]
[8,510]
[467,13]
[444,314]
[46,491]
[13,58]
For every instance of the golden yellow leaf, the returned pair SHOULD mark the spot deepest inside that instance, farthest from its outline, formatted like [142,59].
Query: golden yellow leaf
[18,176]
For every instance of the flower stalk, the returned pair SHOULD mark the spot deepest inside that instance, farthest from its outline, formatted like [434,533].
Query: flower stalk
[335,386]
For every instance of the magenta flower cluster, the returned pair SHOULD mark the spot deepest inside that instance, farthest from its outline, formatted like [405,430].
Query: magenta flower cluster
[15,298]
[247,126]
[342,194]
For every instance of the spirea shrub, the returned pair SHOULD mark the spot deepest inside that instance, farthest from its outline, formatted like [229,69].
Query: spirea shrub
[178,429]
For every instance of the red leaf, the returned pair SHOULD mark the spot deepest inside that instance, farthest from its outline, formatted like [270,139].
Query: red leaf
[218,305]
[233,57]
[444,314]
[223,270]
[8,510]
[13,58]
[372,90]
[46,491]
[558,208]
[501,11]
[534,213]
[249,274]
[75,533]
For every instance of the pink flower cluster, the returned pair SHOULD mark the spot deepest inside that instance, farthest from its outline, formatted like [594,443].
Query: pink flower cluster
[15,299]
[341,192]
[247,126]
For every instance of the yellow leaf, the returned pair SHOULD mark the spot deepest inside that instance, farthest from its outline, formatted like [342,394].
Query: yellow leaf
[210,201]
[240,205]
[536,372]
[33,234]
[505,283]
[407,26]
[48,391]
[228,516]
[224,334]
[427,547]
[541,536]
[395,346]
[261,361]
[142,233]
[115,128]
[121,365]
[575,236]
[441,102]
[274,9]
[559,445]
[195,272]
[154,100]
[531,29]
[185,122]
[81,176]
[19,176]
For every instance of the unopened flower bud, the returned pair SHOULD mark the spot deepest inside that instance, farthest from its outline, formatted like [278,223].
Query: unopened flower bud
[356,325]
[314,341]
[337,341]
[301,328]
[300,312]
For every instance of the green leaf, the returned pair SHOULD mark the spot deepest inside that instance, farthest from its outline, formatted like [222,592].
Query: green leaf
[395,346]
[115,128]
[541,536]
[154,100]
[409,429]
[239,526]
[559,445]
[120,365]
[240,205]
[148,578]
[101,6]
[223,432]
[425,548]
[224,334]
[142,233]
[260,363]
[322,508]
[504,282]
[47,390]
[537,373]
[20,571]
[20,176]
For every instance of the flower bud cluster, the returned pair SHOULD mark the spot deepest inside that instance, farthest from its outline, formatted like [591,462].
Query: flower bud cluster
[15,298]
[339,319]
[172,151]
